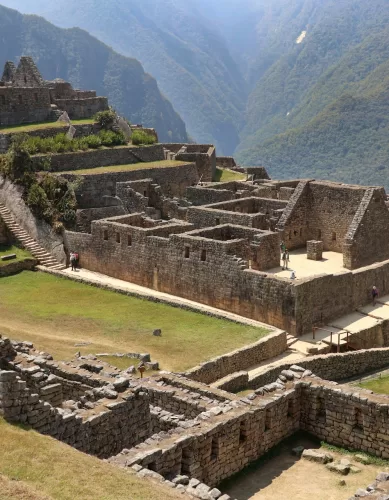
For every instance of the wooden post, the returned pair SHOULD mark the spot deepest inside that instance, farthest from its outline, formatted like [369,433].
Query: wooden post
[338,342]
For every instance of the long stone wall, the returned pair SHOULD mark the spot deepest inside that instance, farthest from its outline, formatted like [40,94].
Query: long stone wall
[17,267]
[336,367]
[173,180]
[120,155]
[270,346]
[118,424]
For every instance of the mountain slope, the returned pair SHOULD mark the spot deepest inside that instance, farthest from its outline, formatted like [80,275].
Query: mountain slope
[177,46]
[76,56]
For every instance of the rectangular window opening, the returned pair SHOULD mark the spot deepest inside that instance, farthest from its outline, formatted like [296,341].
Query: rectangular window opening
[117,237]
[187,252]
[105,235]
[319,234]
[214,448]
[186,461]
[203,255]
[129,240]
[267,420]
[320,409]
[333,236]
[145,194]
[290,409]
[36,97]
[217,222]
[358,419]
[242,433]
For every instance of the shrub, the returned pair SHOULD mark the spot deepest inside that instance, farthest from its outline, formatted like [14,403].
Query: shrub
[142,137]
[93,141]
[38,202]
[106,119]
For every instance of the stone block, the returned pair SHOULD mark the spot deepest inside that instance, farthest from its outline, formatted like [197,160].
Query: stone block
[315,250]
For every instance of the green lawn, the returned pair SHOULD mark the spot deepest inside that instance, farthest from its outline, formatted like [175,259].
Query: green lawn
[124,168]
[56,313]
[39,126]
[224,175]
[380,385]
[37,467]
[7,250]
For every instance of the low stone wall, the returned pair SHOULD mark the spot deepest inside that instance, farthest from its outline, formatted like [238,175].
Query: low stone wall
[87,215]
[17,267]
[119,424]
[233,383]
[121,155]
[170,401]
[81,131]
[334,367]
[269,347]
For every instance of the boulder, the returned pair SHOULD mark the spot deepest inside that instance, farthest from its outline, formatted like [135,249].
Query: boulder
[317,456]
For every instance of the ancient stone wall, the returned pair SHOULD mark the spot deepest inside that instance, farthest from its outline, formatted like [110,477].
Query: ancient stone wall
[257,172]
[225,162]
[81,108]
[17,267]
[121,155]
[205,196]
[12,197]
[4,236]
[346,417]
[24,105]
[270,346]
[173,180]
[367,240]
[222,448]
[116,425]
[87,215]
[81,131]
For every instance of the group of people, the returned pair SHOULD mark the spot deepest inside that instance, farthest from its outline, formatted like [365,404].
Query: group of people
[285,260]
[73,260]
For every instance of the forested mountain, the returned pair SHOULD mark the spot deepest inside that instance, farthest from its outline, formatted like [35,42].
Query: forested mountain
[303,82]
[188,58]
[77,57]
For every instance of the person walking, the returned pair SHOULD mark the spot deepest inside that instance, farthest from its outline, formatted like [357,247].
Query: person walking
[285,259]
[282,247]
[374,294]
[73,261]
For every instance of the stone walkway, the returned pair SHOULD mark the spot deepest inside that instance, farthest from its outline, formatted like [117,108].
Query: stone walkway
[127,288]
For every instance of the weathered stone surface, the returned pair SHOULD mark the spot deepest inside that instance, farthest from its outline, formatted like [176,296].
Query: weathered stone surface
[317,456]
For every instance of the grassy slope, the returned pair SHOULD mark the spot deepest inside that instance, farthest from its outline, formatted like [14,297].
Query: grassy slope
[41,126]
[42,468]
[224,175]
[124,168]
[7,250]
[380,385]
[56,313]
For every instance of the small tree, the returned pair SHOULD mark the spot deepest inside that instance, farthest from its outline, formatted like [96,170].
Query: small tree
[106,119]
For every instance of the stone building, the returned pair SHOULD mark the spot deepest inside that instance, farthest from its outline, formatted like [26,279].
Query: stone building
[25,97]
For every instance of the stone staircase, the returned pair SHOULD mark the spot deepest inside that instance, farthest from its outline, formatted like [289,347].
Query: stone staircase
[44,258]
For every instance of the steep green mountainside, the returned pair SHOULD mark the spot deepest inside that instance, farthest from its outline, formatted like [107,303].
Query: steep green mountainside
[76,56]
[347,141]
[177,46]
[303,82]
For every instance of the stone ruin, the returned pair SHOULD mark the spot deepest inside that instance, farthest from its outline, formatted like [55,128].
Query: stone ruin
[25,97]
[178,431]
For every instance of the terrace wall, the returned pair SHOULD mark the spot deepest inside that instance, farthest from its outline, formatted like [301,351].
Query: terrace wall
[173,180]
[121,155]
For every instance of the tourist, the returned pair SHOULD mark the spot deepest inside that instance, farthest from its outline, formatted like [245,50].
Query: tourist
[285,259]
[292,275]
[374,294]
[282,247]
[73,261]
[76,258]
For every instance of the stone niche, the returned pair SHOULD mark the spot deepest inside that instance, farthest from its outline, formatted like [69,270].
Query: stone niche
[315,250]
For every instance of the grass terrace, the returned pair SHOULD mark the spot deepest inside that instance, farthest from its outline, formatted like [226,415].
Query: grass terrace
[14,129]
[55,314]
[10,249]
[37,467]
[379,385]
[125,168]
[225,175]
